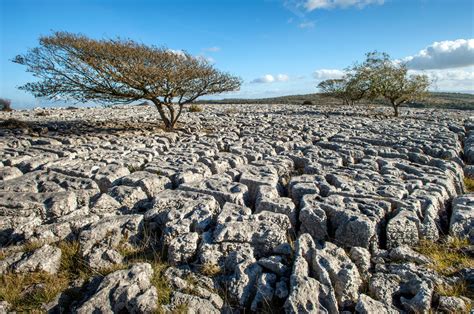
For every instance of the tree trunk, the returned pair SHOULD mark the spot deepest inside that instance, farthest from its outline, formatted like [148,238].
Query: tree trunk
[395,109]
[178,115]
[168,123]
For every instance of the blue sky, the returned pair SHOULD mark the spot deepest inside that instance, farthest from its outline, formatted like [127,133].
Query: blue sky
[277,47]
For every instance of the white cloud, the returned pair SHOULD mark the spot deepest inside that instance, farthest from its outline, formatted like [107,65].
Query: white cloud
[443,55]
[458,80]
[269,78]
[325,74]
[311,5]
[212,49]
[282,78]
[309,24]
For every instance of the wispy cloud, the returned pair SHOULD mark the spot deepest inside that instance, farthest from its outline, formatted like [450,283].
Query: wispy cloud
[311,5]
[269,78]
[325,74]
[309,24]
[212,49]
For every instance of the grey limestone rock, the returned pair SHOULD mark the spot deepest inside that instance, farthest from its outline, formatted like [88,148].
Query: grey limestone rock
[47,258]
[123,290]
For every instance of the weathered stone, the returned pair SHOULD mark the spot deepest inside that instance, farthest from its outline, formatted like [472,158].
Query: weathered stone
[8,173]
[451,304]
[182,248]
[308,295]
[193,304]
[404,253]
[106,176]
[403,229]
[367,305]
[150,183]
[221,188]
[265,291]
[123,290]
[361,258]
[47,259]
[268,199]
[462,218]
[334,268]
[131,198]
[274,264]
[263,231]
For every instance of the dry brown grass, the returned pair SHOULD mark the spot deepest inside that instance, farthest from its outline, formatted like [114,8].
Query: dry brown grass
[27,292]
[195,108]
[210,270]
[469,184]
[456,290]
[447,256]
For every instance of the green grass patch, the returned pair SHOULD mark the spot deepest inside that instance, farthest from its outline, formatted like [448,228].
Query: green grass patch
[447,256]
[469,184]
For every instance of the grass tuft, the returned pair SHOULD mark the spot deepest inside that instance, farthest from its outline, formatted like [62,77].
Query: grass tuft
[210,270]
[31,246]
[195,108]
[448,256]
[457,290]
[26,292]
[469,184]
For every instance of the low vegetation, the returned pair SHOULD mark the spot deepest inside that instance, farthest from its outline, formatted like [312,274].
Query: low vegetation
[27,292]
[447,256]
[454,290]
[378,77]
[195,108]
[5,104]
[469,184]
[210,270]
[432,100]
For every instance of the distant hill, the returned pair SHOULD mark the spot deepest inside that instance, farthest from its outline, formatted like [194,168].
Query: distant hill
[437,100]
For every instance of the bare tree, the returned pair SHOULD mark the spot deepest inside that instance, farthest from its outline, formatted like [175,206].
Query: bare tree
[121,71]
[389,79]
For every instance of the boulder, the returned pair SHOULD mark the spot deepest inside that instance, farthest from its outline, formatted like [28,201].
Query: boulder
[128,290]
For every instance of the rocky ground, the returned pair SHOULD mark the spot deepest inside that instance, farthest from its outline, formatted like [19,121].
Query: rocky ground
[267,208]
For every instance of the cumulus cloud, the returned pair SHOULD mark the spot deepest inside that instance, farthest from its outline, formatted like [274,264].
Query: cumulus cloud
[443,55]
[212,49]
[311,5]
[269,78]
[325,74]
[457,80]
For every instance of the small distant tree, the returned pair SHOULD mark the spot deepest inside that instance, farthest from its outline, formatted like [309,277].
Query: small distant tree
[389,79]
[334,88]
[349,89]
[5,104]
[121,71]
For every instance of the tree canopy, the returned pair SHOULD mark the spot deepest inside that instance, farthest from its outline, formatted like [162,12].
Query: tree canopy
[378,77]
[390,80]
[121,71]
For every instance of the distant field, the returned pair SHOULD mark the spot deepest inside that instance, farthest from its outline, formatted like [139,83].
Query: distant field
[437,100]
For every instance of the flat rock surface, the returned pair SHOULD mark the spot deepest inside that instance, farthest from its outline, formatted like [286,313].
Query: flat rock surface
[271,197]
